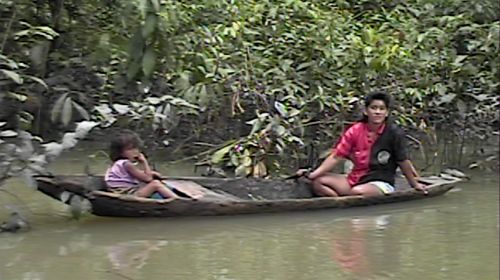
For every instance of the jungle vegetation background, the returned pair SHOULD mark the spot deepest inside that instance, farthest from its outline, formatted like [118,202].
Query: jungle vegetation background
[248,85]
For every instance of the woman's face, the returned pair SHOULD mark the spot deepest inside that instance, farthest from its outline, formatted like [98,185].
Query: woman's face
[376,112]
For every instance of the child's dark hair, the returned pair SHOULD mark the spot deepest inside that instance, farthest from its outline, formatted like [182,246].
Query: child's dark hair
[376,95]
[126,139]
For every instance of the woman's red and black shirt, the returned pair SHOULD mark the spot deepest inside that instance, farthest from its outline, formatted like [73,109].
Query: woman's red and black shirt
[375,155]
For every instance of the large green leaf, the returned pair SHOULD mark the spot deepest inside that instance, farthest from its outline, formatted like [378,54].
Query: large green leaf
[4,60]
[447,98]
[8,133]
[67,111]
[81,110]
[149,26]
[143,7]
[256,125]
[220,154]
[149,62]
[281,108]
[243,171]
[156,5]
[182,83]
[13,76]
[17,96]
[47,30]
[247,161]
[57,108]
[38,80]
[133,70]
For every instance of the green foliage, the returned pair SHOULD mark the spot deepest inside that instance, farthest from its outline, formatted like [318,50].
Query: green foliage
[293,71]
[318,60]
[13,72]
[24,156]
[142,51]
[33,33]
[62,111]
[260,151]
[162,113]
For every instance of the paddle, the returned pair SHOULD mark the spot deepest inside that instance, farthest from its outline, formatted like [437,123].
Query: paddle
[311,161]
[296,176]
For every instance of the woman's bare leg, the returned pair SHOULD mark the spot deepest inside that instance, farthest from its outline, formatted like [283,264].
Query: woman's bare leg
[331,185]
[366,190]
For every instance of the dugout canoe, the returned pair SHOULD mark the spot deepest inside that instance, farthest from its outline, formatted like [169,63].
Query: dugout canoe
[223,196]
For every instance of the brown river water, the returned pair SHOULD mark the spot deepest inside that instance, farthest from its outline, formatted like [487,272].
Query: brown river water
[455,236]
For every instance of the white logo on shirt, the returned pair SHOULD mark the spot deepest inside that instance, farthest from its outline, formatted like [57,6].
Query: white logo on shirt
[383,157]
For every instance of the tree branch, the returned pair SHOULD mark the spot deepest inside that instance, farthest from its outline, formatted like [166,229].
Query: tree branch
[7,30]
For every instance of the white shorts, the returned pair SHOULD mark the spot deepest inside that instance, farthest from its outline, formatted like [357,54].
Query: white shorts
[384,187]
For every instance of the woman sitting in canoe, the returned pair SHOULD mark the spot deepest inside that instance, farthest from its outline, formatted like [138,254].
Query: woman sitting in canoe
[125,177]
[375,146]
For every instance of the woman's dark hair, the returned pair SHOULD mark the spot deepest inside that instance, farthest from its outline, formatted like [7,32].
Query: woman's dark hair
[126,139]
[376,95]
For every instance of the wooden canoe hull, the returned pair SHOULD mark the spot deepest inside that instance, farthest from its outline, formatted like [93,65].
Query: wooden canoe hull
[244,196]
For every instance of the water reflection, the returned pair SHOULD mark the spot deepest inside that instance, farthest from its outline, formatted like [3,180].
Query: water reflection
[129,257]
[350,245]
[314,245]
[450,237]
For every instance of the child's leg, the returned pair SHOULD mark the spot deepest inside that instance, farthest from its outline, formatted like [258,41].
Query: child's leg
[155,186]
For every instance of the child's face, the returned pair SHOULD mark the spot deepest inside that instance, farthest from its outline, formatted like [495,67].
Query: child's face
[376,112]
[131,153]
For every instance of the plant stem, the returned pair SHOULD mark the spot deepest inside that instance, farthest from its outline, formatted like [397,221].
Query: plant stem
[205,152]
[462,143]
[7,30]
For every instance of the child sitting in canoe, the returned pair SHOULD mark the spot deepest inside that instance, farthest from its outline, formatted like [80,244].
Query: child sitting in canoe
[375,146]
[126,177]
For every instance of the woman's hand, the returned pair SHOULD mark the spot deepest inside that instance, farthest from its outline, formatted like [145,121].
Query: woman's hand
[303,173]
[421,187]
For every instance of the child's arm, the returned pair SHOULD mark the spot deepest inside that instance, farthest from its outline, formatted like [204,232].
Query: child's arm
[147,169]
[157,175]
[145,174]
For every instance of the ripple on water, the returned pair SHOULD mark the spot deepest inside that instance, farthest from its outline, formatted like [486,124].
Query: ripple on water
[449,237]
